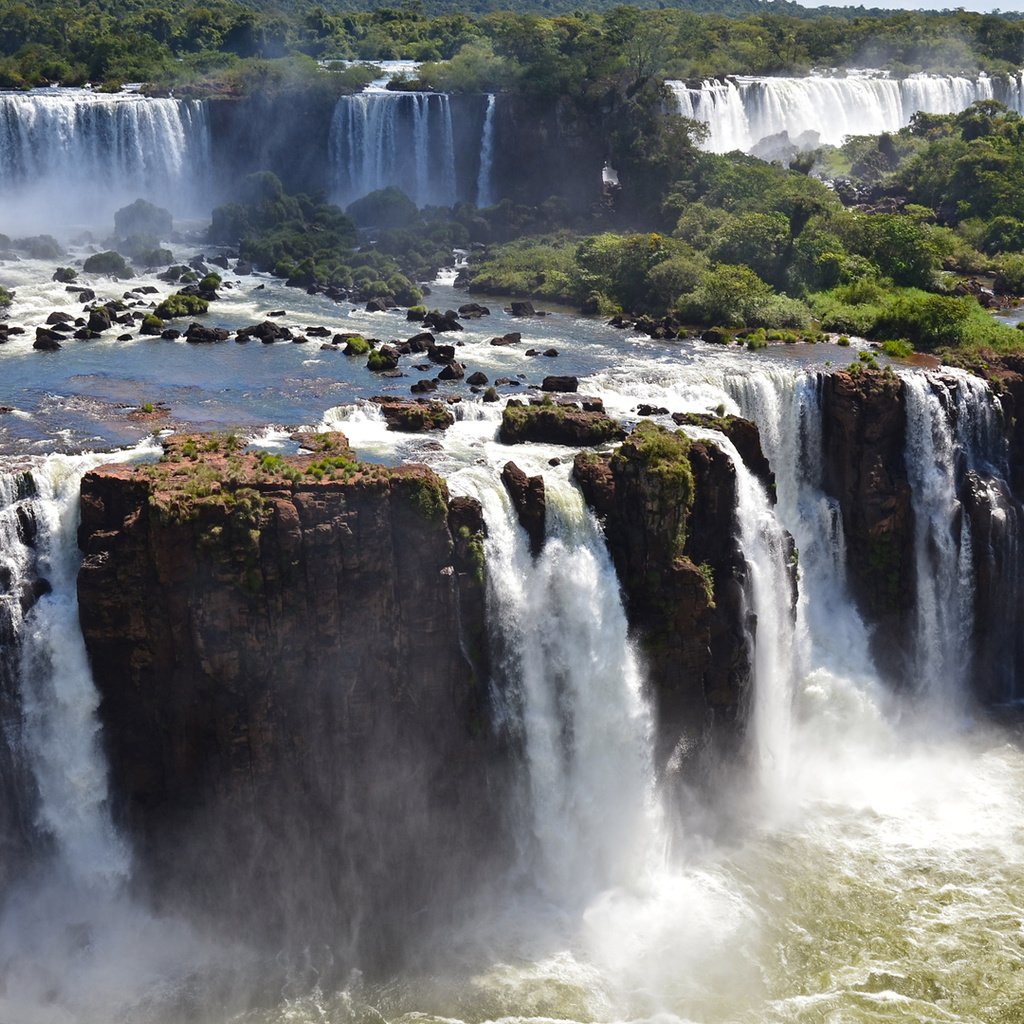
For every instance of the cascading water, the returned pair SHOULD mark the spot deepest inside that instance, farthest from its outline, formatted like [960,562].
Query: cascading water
[742,111]
[787,410]
[380,139]
[483,183]
[70,156]
[776,659]
[573,690]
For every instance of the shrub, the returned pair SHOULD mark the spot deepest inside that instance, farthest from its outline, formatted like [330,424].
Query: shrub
[178,305]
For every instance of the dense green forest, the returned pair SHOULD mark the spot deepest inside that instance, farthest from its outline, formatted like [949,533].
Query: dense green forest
[177,43]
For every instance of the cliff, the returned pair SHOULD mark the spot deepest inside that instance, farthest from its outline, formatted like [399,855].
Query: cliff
[291,658]
[668,505]
[864,470]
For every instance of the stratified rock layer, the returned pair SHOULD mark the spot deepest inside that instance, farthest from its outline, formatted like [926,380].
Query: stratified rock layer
[291,656]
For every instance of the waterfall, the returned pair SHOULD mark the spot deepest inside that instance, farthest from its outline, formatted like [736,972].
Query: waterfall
[787,409]
[776,659]
[950,429]
[403,139]
[73,156]
[483,181]
[59,732]
[742,111]
[573,692]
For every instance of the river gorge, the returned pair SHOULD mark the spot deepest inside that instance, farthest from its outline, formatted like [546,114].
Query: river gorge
[706,708]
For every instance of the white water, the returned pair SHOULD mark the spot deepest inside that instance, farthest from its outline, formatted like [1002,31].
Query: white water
[72,157]
[403,139]
[882,882]
[942,548]
[741,111]
[58,695]
[484,196]
[573,689]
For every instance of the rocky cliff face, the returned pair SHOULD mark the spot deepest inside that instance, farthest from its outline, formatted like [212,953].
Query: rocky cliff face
[668,506]
[864,440]
[292,661]
[865,437]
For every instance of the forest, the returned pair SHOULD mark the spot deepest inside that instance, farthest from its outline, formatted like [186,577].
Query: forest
[234,46]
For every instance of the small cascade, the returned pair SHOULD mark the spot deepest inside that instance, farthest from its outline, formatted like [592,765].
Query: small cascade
[403,139]
[59,697]
[742,111]
[953,438]
[772,636]
[73,156]
[573,693]
[483,181]
[787,409]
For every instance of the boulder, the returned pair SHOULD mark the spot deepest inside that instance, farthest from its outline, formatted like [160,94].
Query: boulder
[200,335]
[513,338]
[453,371]
[477,378]
[522,308]
[414,417]
[46,340]
[560,384]
[556,424]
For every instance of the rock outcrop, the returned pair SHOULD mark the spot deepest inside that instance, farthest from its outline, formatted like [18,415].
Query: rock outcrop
[668,505]
[864,467]
[292,659]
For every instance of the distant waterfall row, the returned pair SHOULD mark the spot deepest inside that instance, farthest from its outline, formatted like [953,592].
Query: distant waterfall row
[73,154]
[408,140]
[742,111]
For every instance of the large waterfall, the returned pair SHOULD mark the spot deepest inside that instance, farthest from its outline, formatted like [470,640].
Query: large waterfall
[379,139]
[741,111]
[864,860]
[71,156]
[573,688]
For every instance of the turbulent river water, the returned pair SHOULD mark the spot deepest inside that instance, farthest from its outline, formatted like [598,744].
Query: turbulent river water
[867,866]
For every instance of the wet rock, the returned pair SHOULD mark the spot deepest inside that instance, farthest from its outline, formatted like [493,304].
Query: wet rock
[453,371]
[513,338]
[414,417]
[473,311]
[477,378]
[522,308]
[556,424]
[100,320]
[197,334]
[46,340]
[556,383]
[441,354]
[528,499]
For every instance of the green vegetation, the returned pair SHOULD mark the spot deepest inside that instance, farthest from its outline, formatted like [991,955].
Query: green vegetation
[312,244]
[663,458]
[6,297]
[554,48]
[178,305]
[109,263]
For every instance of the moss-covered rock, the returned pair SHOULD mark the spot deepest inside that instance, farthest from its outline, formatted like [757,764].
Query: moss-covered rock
[109,263]
[557,424]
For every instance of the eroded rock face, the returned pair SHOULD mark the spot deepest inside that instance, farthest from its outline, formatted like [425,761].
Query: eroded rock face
[530,502]
[864,444]
[668,520]
[293,673]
